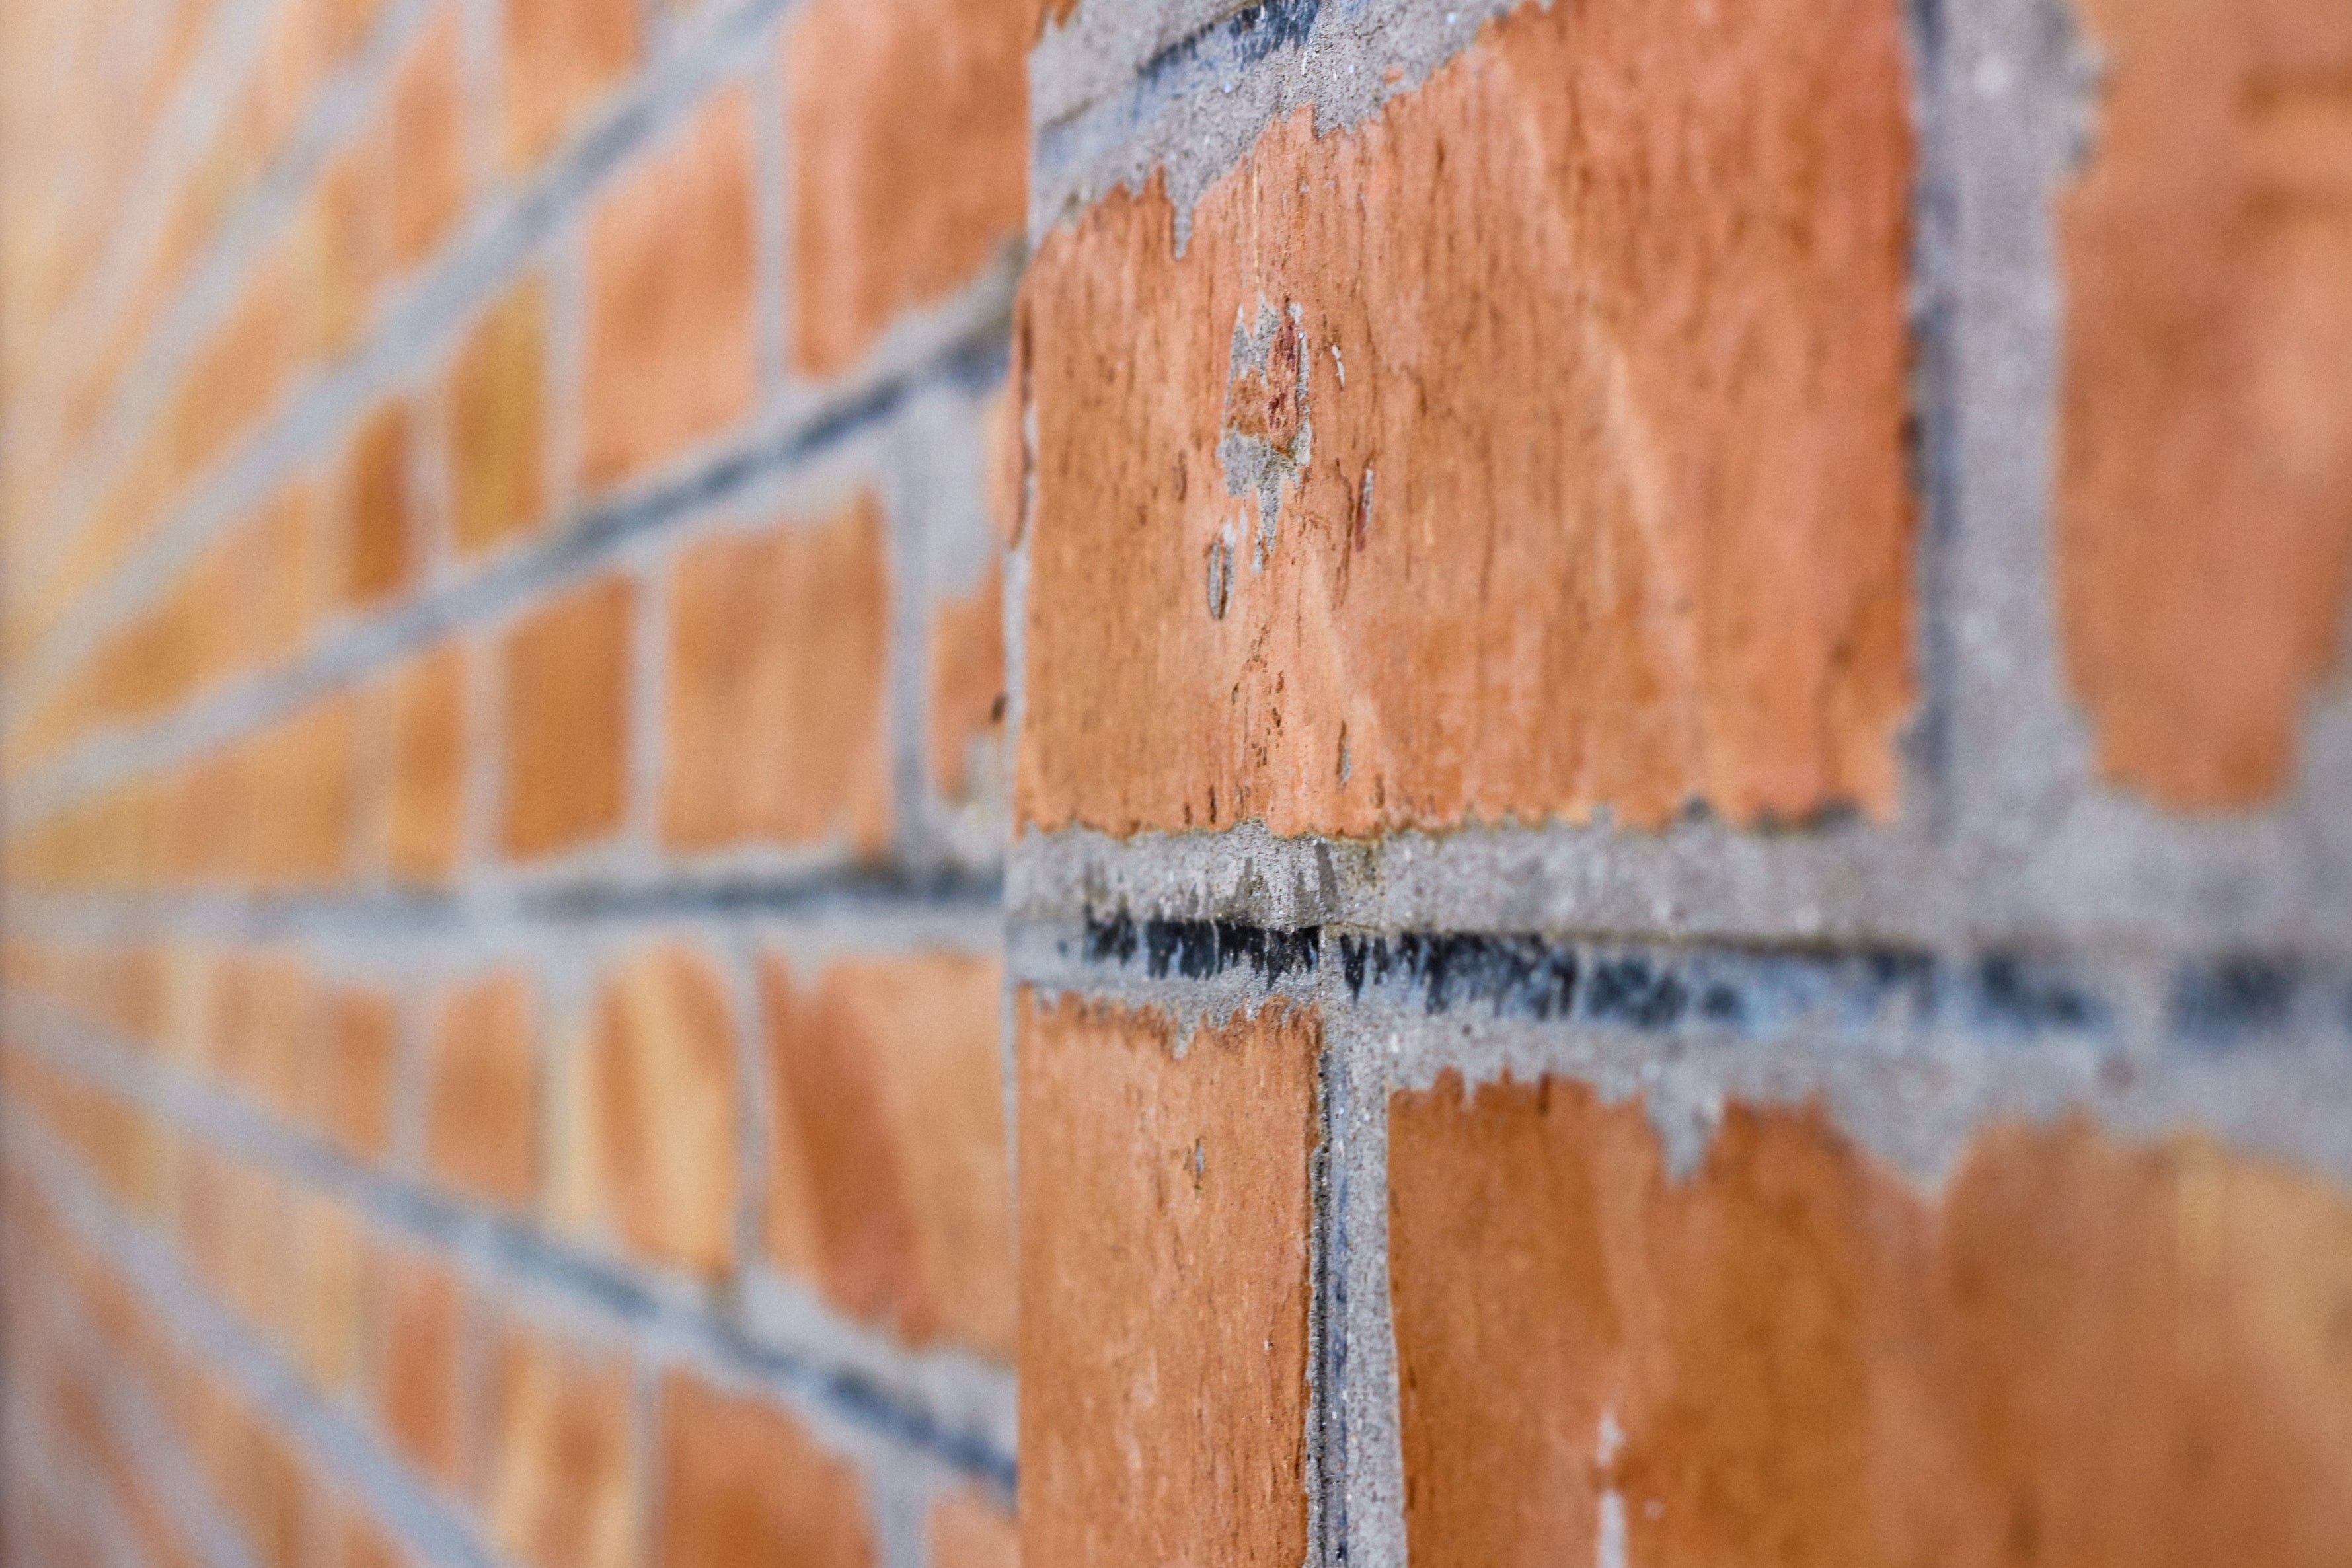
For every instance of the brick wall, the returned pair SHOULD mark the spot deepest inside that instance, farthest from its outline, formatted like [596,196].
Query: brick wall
[506,797]
[1599,752]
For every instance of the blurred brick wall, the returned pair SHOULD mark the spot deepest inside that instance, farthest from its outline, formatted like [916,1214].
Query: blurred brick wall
[1600,750]
[506,805]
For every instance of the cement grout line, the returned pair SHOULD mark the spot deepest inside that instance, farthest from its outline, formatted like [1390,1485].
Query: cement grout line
[945,1404]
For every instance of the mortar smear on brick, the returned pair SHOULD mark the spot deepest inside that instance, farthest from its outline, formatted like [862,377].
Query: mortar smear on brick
[1533,448]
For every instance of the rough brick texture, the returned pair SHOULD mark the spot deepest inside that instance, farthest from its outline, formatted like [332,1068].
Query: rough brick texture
[1494,459]
[1164,1270]
[1503,783]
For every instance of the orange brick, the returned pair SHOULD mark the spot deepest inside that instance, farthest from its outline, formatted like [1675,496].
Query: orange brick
[563,1493]
[776,716]
[418,1397]
[567,719]
[1164,1209]
[909,134]
[376,507]
[887,1138]
[347,231]
[263,1007]
[352,1088]
[740,1483]
[1558,464]
[2079,1352]
[425,823]
[233,1222]
[482,1132]
[426,105]
[967,1531]
[967,680]
[300,804]
[661,1078]
[360,1541]
[562,57]
[672,349]
[327,1289]
[2205,451]
[497,439]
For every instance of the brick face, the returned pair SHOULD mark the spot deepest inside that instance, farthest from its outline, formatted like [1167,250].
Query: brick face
[662,1085]
[2205,446]
[425,815]
[887,1143]
[774,721]
[482,1117]
[908,129]
[566,719]
[564,1492]
[967,686]
[672,353]
[741,1483]
[1164,1211]
[498,392]
[1664,437]
[427,117]
[2082,1353]
[420,1398]
[376,507]
[561,56]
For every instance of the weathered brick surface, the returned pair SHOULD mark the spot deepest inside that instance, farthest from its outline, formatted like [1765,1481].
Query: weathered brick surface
[2081,1352]
[908,128]
[1494,459]
[886,1143]
[566,720]
[1164,1215]
[740,1482]
[672,357]
[2205,440]
[776,716]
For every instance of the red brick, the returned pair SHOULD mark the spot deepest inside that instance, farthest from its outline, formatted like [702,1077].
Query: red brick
[563,1493]
[567,671]
[967,678]
[887,1143]
[672,346]
[2205,451]
[419,1399]
[775,716]
[908,125]
[498,389]
[663,1084]
[1164,1209]
[2080,1353]
[425,818]
[352,1088]
[482,1132]
[376,507]
[561,56]
[742,1484]
[426,105]
[967,1531]
[233,1222]
[1620,358]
